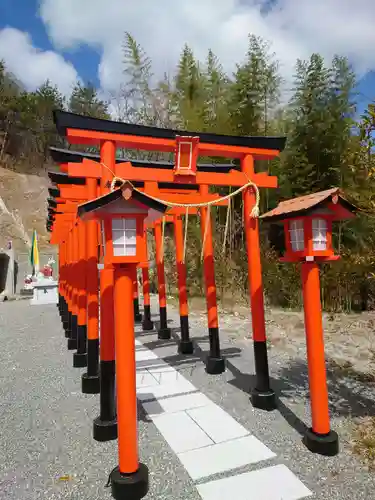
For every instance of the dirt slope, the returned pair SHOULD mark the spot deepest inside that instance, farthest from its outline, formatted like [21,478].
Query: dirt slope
[23,208]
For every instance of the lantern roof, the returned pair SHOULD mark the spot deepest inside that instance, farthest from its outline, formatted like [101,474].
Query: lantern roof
[125,194]
[330,202]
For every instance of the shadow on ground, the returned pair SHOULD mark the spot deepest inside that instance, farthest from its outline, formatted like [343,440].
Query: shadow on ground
[181,359]
[346,395]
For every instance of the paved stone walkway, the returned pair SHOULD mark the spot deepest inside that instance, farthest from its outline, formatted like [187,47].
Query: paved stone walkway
[206,439]
[198,434]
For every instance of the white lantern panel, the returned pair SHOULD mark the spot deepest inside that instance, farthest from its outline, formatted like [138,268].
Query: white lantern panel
[130,236]
[124,237]
[118,236]
[297,235]
[117,224]
[319,229]
[130,223]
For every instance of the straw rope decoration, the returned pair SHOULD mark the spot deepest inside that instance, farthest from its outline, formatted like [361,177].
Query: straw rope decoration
[227,222]
[116,181]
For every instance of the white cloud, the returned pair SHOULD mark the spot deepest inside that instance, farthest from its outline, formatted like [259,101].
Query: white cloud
[32,66]
[296,28]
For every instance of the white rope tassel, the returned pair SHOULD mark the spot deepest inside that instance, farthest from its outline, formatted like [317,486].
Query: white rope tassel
[227,225]
[255,210]
[185,235]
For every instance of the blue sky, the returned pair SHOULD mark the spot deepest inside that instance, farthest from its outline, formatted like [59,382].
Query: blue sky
[67,39]
[23,15]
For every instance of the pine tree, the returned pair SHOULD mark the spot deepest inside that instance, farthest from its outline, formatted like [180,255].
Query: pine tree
[188,95]
[47,98]
[216,92]
[255,90]
[10,90]
[322,111]
[137,87]
[84,100]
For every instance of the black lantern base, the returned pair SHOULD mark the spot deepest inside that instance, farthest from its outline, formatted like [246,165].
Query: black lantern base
[185,347]
[105,430]
[215,366]
[79,360]
[129,486]
[72,344]
[323,444]
[264,400]
[164,333]
[147,325]
[90,384]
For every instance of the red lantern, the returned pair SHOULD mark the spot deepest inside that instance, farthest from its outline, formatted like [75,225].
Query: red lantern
[308,237]
[123,214]
[308,224]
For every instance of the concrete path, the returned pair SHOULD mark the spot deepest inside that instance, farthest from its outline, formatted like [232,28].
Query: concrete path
[212,446]
[198,434]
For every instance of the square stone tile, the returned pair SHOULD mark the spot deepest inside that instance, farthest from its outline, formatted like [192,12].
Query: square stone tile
[181,432]
[224,456]
[217,423]
[271,483]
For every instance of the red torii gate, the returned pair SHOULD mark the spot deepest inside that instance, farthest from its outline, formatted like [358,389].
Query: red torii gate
[68,197]
[170,192]
[183,193]
[108,135]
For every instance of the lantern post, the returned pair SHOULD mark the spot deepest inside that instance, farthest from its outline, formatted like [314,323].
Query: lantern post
[308,239]
[123,213]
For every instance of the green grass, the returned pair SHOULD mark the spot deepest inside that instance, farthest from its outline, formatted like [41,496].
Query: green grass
[364,441]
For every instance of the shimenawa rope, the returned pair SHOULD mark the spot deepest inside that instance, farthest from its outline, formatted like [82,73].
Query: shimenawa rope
[254,212]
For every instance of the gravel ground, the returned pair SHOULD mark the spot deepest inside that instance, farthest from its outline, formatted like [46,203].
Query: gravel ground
[46,446]
[342,477]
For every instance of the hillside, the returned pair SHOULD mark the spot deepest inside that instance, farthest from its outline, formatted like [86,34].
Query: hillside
[22,208]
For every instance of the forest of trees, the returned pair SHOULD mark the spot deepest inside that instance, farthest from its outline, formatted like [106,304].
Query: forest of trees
[328,145]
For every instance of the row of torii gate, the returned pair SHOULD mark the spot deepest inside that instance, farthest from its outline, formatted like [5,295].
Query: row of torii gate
[85,189]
